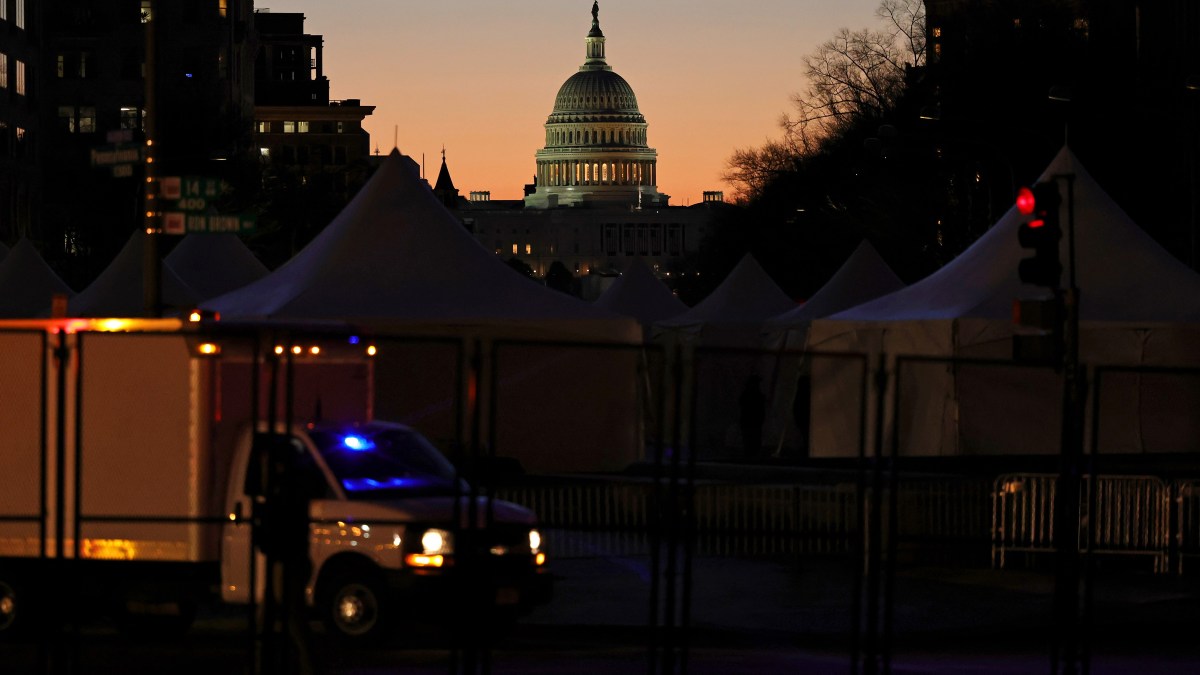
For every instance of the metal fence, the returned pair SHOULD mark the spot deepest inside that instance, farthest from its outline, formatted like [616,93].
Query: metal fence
[1121,515]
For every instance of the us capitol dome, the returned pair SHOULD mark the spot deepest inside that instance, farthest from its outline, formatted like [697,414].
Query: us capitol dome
[596,152]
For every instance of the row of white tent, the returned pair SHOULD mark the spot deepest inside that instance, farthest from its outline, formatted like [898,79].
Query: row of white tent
[200,267]
[1139,308]
[395,258]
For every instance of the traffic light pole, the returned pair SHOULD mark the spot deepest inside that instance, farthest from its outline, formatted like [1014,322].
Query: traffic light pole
[1071,655]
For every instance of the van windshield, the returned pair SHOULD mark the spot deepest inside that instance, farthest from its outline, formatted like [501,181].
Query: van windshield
[385,463]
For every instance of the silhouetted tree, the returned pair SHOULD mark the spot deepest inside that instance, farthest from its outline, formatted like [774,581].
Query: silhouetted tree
[560,278]
[520,266]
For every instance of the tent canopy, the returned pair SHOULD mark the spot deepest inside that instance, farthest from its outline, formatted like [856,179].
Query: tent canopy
[118,291]
[214,264]
[747,296]
[395,253]
[1139,306]
[1123,274]
[27,284]
[864,276]
[641,295]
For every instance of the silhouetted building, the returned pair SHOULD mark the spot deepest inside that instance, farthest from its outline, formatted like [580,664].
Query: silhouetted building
[444,187]
[72,82]
[1118,79]
[299,131]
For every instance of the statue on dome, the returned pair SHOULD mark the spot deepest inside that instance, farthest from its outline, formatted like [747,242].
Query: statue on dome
[595,10]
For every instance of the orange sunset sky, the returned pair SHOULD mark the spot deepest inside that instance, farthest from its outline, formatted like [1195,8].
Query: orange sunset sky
[480,76]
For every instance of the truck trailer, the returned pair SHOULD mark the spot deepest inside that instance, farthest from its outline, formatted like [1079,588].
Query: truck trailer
[142,478]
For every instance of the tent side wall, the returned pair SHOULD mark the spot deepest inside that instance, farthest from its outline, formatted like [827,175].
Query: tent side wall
[560,402]
[1005,409]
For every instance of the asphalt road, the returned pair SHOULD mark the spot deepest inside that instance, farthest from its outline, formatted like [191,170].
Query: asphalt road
[747,616]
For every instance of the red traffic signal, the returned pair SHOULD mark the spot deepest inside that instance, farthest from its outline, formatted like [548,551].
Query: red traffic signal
[1040,233]
[1025,201]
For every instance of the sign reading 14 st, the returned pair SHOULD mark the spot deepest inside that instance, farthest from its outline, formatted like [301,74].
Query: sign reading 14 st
[187,207]
[189,193]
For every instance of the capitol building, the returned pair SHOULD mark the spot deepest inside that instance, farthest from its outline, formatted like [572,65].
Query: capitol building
[596,150]
[594,203]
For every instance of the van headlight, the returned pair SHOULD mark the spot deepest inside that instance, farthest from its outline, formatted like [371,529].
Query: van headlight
[436,546]
[535,547]
[436,542]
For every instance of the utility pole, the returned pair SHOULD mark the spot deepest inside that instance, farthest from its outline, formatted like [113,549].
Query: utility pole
[151,272]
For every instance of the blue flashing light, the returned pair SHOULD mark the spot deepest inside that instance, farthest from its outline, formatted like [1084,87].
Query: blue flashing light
[188,75]
[357,443]
[389,483]
[353,339]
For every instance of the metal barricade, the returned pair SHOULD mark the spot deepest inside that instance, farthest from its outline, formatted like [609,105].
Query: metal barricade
[1186,495]
[1127,515]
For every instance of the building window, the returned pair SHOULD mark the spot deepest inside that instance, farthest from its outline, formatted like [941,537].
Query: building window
[341,127]
[514,249]
[20,78]
[3,68]
[3,10]
[265,153]
[61,66]
[87,120]
[528,249]
[131,118]
[674,239]
[289,127]
[264,127]
[937,31]
[19,19]
[302,127]
[222,8]
[66,118]
[145,15]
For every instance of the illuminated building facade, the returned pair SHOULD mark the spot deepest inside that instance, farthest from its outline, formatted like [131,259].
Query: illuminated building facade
[594,204]
[596,151]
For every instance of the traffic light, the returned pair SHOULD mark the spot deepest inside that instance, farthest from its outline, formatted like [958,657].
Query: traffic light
[1041,232]
[1038,338]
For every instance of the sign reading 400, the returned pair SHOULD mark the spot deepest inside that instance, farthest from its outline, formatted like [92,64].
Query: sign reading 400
[190,193]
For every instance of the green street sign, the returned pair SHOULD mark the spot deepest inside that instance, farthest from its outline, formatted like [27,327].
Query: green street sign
[179,222]
[190,193]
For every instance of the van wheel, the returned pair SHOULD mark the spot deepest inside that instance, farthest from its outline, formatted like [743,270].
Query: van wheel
[353,607]
[11,610]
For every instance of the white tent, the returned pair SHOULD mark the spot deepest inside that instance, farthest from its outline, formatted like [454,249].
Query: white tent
[395,254]
[734,313]
[864,276]
[1139,305]
[641,295]
[27,284]
[395,261]
[214,264]
[118,291]
[727,384]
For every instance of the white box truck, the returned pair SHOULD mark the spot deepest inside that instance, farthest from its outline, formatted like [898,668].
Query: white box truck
[131,482]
